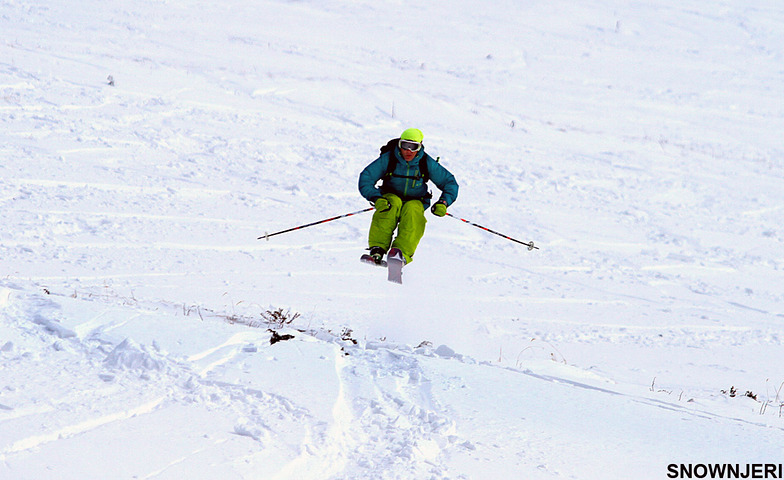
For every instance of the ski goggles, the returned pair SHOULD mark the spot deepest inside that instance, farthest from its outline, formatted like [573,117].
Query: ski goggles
[409,145]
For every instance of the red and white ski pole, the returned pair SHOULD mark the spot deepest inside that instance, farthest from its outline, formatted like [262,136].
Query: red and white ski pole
[267,235]
[530,245]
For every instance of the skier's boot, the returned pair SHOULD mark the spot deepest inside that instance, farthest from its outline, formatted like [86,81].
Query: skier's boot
[375,257]
[396,254]
[378,254]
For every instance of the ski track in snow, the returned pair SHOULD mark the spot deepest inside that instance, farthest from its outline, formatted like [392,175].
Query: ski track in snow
[381,415]
[379,410]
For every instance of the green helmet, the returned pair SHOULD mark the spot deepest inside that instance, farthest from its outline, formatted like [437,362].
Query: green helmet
[413,134]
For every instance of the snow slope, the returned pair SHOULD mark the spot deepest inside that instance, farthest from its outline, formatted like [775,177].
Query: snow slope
[146,145]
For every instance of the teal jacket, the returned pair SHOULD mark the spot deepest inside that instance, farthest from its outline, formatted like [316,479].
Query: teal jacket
[406,181]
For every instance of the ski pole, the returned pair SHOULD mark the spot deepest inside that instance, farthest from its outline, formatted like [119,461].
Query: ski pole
[267,235]
[530,245]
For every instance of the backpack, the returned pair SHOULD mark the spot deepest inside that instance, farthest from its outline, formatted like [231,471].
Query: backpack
[390,147]
[392,163]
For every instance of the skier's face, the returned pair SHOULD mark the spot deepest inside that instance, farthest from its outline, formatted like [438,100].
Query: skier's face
[408,155]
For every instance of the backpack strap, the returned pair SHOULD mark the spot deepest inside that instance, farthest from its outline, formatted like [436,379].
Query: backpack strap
[423,168]
[390,148]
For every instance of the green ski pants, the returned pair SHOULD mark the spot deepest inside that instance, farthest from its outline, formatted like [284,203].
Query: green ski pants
[409,219]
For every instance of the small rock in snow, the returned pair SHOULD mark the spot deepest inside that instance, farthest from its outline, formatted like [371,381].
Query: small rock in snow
[444,352]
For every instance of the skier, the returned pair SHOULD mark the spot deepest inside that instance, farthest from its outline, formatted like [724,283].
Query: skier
[401,199]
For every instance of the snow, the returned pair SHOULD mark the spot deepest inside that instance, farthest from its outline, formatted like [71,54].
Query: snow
[638,145]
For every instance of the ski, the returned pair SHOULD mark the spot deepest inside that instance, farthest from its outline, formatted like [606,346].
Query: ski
[395,264]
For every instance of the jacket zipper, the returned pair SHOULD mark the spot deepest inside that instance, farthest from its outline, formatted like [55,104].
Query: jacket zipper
[408,180]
